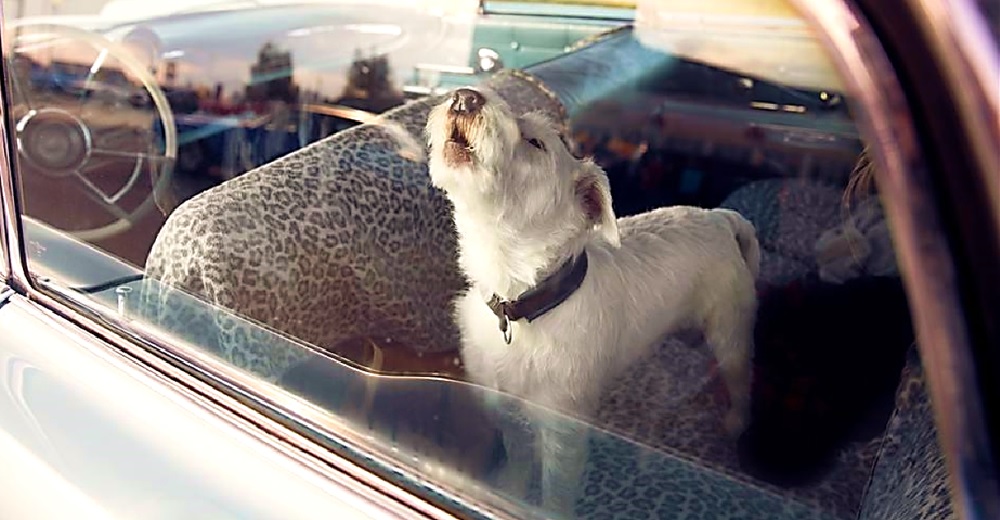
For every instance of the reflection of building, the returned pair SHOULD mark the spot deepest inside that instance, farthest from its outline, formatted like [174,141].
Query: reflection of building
[369,85]
[170,74]
[271,78]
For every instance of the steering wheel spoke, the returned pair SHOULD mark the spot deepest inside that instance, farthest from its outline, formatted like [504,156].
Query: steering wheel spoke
[127,187]
[107,203]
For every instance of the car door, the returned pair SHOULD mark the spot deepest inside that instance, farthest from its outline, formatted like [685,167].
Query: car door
[132,412]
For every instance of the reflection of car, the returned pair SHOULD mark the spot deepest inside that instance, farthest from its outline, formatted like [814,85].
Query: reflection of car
[64,77]
[77,79]
[126,416]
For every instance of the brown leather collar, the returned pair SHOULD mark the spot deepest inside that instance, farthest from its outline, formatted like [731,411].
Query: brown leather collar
[542,298]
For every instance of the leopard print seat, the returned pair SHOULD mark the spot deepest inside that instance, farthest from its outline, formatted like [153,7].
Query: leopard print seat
[910,479]
[343,239]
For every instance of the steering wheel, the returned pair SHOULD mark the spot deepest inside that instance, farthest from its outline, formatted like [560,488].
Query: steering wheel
[89,114]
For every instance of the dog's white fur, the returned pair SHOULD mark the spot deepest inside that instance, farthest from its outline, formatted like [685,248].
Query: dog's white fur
[520,212]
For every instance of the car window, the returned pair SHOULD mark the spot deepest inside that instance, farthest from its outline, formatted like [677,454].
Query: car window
[436,229]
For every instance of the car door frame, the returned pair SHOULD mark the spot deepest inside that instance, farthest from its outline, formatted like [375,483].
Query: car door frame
[937,184]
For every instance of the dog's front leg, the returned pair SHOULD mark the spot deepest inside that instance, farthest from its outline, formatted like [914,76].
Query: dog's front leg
[519,435]
[558,416]
[563,453]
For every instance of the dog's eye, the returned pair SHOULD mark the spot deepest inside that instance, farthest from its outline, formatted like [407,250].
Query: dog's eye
[536,143]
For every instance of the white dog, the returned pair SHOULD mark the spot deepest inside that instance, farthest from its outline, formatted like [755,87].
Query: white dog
[563,296]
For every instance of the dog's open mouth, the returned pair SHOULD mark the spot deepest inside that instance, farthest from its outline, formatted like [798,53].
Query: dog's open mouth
[457,149]
[457,136]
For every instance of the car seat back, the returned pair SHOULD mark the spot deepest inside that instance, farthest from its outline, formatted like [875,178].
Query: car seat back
[909,480]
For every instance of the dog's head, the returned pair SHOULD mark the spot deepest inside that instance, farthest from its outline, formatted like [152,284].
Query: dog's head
[482,154]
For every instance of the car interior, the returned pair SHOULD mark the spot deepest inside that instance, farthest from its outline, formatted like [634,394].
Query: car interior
[841,425]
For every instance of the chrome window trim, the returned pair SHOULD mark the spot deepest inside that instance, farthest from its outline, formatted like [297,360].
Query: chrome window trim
[926,263]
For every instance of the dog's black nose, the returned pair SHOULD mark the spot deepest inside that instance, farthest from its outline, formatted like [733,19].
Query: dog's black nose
[467,101]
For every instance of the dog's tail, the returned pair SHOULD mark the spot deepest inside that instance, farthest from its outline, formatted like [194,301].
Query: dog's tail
[746,237]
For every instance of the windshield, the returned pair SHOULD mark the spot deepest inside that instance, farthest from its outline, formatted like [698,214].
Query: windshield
[531,259]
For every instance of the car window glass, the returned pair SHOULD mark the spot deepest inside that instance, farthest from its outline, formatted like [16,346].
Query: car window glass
[247,183]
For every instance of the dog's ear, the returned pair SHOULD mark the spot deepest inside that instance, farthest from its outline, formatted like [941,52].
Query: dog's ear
[593,193]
